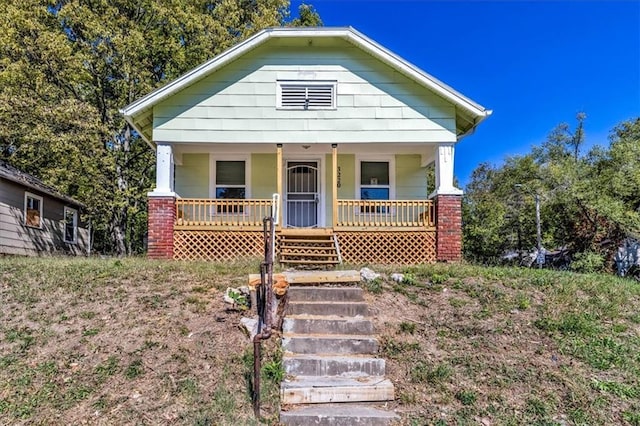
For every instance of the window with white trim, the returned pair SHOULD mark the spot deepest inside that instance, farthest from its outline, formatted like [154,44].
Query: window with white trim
[231,184]
[374,183]
[306,95]
[70,225]
[32,210]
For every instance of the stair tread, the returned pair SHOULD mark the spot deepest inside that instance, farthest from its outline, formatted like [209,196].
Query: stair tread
[284,247]
[340,410]
[310,262]
[332,357]
[298,240]
[324,302]
[308,254]
[329,336]
[334,381]
[355,318]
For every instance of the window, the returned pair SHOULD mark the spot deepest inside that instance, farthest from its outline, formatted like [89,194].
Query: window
[230,184]
[306,95]
[374,183]
[32,210]
[70,225]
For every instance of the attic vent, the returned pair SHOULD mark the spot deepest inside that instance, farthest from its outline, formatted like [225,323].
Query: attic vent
[306,95]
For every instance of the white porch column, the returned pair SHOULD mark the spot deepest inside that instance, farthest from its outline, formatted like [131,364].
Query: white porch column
[164,172]
[444,171]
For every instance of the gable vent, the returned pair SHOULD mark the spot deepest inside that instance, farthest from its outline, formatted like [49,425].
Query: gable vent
[304,95]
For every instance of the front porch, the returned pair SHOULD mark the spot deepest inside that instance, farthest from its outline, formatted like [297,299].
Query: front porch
[365,231]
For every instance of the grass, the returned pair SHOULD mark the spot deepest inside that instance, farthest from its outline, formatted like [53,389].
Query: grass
[511,346]
[128,341]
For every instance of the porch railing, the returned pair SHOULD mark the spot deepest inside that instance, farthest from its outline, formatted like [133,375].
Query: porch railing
[417,214]
[206,212]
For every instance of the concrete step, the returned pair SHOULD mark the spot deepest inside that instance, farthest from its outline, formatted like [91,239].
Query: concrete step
[349,309]
[338,344]
[333,365]
[337,415]
[326,294]
[314,324]
[321,390]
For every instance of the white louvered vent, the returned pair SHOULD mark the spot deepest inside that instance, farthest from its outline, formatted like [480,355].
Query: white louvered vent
[306,95]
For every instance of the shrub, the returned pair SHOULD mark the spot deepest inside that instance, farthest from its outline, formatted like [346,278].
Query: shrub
[587,262]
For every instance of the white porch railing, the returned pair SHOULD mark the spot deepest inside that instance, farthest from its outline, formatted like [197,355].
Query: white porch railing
[211,213]
[385,214]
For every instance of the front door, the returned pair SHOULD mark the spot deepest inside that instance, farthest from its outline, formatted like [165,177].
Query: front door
[302,194]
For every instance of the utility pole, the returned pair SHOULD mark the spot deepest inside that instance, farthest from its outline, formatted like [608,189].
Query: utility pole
[540,257]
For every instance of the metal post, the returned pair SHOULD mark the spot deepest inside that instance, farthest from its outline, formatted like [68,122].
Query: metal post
[540,259]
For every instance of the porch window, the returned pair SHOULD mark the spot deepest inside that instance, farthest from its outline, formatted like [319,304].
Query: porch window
[374,183]
[32,210]
[230,184]
[70,225]
[306,95]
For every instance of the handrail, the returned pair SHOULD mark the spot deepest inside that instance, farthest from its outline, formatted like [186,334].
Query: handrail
[264,307]
[222,212]
[386,213]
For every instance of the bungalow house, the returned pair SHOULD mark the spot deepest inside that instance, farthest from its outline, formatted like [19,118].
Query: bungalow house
[36,219]
[338,127]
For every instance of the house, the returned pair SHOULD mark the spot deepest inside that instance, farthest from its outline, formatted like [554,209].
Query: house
[36,219]
[339,127]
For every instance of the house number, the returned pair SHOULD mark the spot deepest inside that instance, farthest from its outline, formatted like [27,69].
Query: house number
[339,184]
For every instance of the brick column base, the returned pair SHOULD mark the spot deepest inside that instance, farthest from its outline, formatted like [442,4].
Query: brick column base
[448,228]
[162,214]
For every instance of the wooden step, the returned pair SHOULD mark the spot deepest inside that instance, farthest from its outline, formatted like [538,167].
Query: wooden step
[309,241]
[308,248]
[319,390]
[313,262]
[302,254]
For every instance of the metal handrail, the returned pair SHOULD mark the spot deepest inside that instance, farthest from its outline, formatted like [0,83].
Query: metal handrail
[264,302]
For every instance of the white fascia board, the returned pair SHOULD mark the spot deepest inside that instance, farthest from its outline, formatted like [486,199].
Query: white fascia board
[417,74]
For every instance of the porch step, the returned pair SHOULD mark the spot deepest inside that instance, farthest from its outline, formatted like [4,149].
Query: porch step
[308,247]
[336,344]
[350,309]
[316,324]
[337,415]
[321,390]
[333,365]
[326,294]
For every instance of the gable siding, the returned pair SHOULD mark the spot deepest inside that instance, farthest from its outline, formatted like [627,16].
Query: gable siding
[17,238]
[238,103]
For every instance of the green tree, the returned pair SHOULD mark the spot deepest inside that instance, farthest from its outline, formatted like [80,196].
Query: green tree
[66,67]
[590,202]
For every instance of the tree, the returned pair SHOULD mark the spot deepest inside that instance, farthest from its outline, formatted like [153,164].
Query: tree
[590,202]
[68,66]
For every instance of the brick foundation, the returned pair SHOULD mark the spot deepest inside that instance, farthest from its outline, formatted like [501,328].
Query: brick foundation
[448,228]
[162,213]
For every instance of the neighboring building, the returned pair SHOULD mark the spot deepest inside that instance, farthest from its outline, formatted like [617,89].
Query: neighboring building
[340,127]
[36,219]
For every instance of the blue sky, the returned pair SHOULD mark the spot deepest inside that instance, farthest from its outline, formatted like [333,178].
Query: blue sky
[534,63]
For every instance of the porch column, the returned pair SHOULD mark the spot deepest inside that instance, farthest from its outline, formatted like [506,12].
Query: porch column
[448,206]
[279,179]
[334,184]
[162,207]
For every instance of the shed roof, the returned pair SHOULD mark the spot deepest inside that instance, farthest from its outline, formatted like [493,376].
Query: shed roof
[468,113]
[9,172]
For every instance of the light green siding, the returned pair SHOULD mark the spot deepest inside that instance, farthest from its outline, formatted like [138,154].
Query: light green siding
[238,102]
[411,179]
[192,176]
[263,175]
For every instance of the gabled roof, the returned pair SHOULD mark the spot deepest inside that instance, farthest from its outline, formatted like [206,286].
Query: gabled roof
[11,173]
[468,113]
